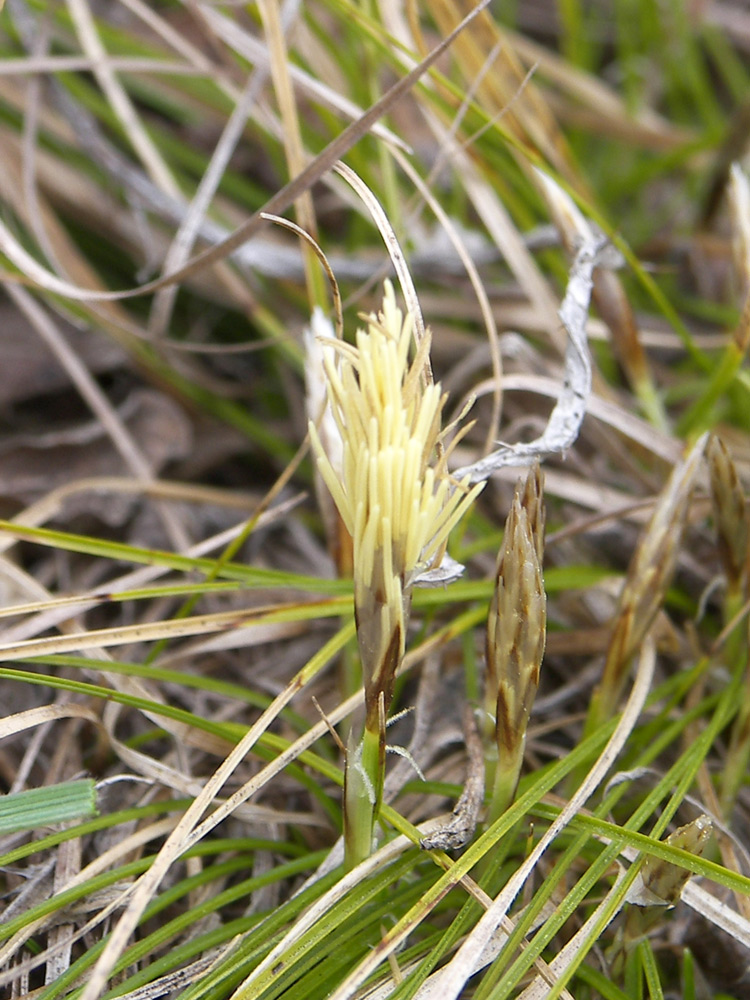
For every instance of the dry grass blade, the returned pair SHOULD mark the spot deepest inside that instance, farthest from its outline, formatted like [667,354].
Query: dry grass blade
[94,639]
[118,97]
[293,145]
[283,198]
[394,252]
[21,721]
[740,195]
[189,830]
[733,537]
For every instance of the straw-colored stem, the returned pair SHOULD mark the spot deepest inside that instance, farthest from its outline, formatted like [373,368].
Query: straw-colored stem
[607,693]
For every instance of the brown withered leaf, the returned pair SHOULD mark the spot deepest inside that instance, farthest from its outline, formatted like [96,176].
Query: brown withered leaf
[34,463]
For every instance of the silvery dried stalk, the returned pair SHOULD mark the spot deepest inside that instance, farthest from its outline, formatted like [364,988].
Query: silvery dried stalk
[516,631]
[731,521]
[398,503]
[649,575]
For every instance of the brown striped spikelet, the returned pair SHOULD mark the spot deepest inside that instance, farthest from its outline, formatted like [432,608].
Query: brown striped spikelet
[516,632]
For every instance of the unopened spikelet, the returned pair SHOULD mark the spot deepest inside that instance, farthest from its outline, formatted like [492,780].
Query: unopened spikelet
[516,632]
[646,582]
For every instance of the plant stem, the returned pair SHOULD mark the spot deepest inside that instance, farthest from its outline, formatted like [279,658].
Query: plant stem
[507,773]
[363,793]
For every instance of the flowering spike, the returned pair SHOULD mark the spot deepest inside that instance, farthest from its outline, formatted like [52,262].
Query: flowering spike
[398,505]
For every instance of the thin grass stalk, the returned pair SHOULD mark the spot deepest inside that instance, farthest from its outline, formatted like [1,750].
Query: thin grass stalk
[733,537]
[515,639]
[398,503]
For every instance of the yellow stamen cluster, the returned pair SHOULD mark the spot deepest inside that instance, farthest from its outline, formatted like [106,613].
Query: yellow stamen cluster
[398,508]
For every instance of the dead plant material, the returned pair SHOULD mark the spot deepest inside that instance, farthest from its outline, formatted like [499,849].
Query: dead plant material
[565,421]
[460,828]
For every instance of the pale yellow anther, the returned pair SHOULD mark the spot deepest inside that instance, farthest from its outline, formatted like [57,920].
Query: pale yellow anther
[393,491]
